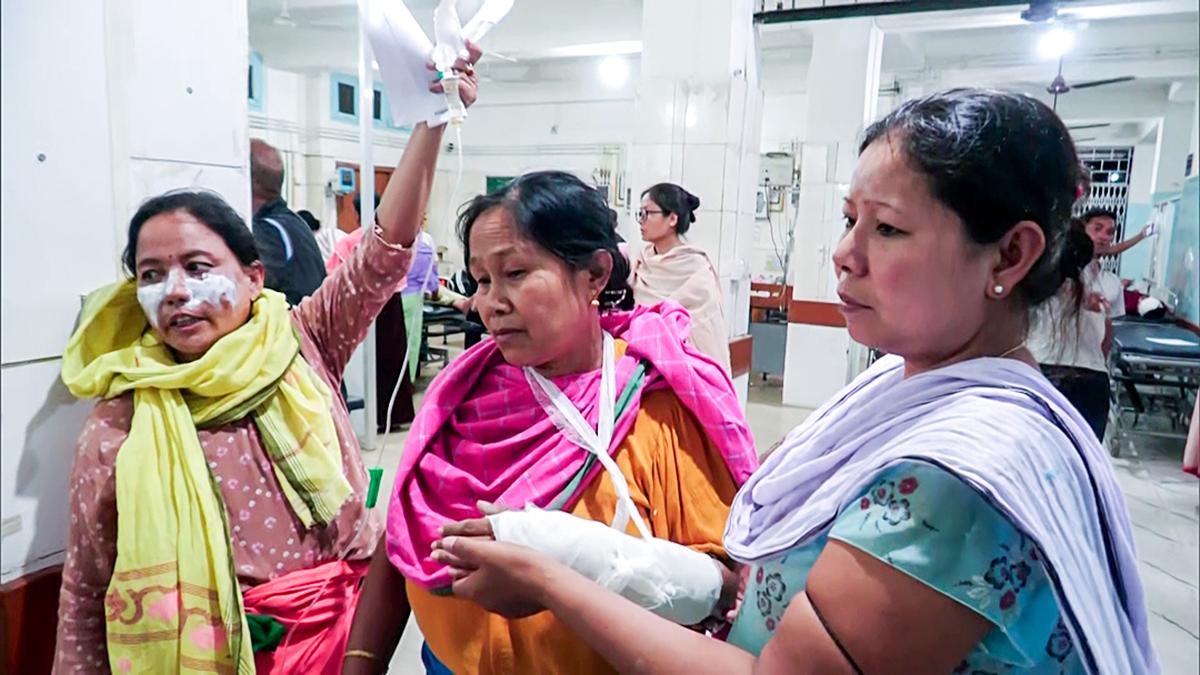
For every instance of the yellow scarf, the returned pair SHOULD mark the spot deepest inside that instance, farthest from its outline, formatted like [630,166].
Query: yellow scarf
[173,604]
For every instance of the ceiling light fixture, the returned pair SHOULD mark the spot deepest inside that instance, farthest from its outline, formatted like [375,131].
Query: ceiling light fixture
[1055,42]
[613,71]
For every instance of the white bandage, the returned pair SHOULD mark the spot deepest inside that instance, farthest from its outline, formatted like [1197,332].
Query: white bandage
[671,580]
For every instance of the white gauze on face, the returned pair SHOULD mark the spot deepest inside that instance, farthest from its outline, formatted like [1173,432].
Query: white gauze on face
[208,289]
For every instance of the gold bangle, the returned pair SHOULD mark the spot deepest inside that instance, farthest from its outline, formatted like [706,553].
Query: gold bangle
[364,654]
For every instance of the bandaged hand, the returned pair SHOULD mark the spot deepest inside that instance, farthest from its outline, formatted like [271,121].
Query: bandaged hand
[666,578]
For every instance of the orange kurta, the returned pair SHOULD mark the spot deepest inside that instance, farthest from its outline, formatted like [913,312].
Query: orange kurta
[678,480]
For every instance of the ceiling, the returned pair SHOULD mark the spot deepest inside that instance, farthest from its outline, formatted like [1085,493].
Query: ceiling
[322,34]
[1156,41]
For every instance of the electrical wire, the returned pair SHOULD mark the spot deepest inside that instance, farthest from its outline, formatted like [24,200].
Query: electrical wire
[771,229]
[456,123]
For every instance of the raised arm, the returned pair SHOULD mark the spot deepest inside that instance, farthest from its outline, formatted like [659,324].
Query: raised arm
[404,200]
[1118,249]
[338,316]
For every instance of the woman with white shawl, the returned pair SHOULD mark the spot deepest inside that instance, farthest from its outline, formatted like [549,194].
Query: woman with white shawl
[667,268]
[948,511]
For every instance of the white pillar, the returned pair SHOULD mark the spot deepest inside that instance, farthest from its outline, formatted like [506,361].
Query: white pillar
[843,85]
[104,104]
[698,115]
[1174,138]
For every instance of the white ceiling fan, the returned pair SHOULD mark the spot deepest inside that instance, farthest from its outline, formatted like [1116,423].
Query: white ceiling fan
[284,20]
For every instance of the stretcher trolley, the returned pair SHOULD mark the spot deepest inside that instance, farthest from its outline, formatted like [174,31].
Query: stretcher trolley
[1154,373]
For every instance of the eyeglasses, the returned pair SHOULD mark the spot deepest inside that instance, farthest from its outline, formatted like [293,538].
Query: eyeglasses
[643,214]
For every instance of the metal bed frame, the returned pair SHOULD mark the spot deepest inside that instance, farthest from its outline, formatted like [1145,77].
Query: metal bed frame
[1146,385]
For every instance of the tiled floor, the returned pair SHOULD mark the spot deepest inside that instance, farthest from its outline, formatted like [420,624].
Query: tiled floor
[1164,504]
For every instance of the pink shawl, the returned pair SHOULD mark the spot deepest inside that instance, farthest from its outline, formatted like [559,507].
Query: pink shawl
[481,434]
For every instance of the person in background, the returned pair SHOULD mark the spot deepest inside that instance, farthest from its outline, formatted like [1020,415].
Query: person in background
[391,341]
[1072,345]
[946,512]
[345,245]
[422,280]
[1101,225]
[544,253]
[667,268]
[327,237]
[459,293]
[285,242]
[218,517]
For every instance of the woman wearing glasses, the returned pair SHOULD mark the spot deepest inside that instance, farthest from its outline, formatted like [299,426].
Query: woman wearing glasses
[667,268]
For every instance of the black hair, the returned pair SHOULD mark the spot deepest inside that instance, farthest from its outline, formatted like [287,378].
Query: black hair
[358,203]
[206,207]
[308,217]
[995,159]
[673,199]
[563,215]
[1078,249]
[1098,212]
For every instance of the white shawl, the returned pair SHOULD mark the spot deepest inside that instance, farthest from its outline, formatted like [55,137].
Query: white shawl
[686,275]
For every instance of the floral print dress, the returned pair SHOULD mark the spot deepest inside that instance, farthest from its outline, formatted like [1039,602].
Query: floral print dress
[927,523]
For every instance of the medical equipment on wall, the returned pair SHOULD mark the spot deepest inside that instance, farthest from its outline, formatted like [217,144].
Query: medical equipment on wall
[779,193]
[344,183]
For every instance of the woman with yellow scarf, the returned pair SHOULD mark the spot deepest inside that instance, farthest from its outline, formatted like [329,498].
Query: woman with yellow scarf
[218,517]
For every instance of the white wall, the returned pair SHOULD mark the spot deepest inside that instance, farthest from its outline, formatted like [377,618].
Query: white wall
[47,148]
[566,121]
[1172,156]
[115,84]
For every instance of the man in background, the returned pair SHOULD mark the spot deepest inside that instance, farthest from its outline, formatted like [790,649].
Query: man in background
[286,245]
[327,237]
[1101,226]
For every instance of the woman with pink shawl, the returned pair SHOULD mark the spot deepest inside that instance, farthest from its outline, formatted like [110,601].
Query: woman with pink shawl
[948,511]
[668,268]
[669,428]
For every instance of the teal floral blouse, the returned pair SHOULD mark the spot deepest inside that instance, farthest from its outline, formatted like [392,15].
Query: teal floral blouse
[927,523]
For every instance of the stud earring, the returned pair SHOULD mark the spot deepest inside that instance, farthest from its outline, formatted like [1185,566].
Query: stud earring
[998,289]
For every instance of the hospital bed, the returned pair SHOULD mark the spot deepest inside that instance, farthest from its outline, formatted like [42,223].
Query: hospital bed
[1154,370]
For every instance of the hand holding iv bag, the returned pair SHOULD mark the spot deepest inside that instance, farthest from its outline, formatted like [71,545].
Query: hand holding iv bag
[402,49]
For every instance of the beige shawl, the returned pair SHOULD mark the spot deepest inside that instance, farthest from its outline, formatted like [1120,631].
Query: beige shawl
[686,275]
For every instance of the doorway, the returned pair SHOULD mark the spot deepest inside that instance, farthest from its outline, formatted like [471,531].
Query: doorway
[347,219]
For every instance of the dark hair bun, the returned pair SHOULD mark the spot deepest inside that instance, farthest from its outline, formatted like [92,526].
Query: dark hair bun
[1077,251]
[672,198]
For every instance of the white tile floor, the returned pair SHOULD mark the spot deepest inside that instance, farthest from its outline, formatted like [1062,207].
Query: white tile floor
[1164,505]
